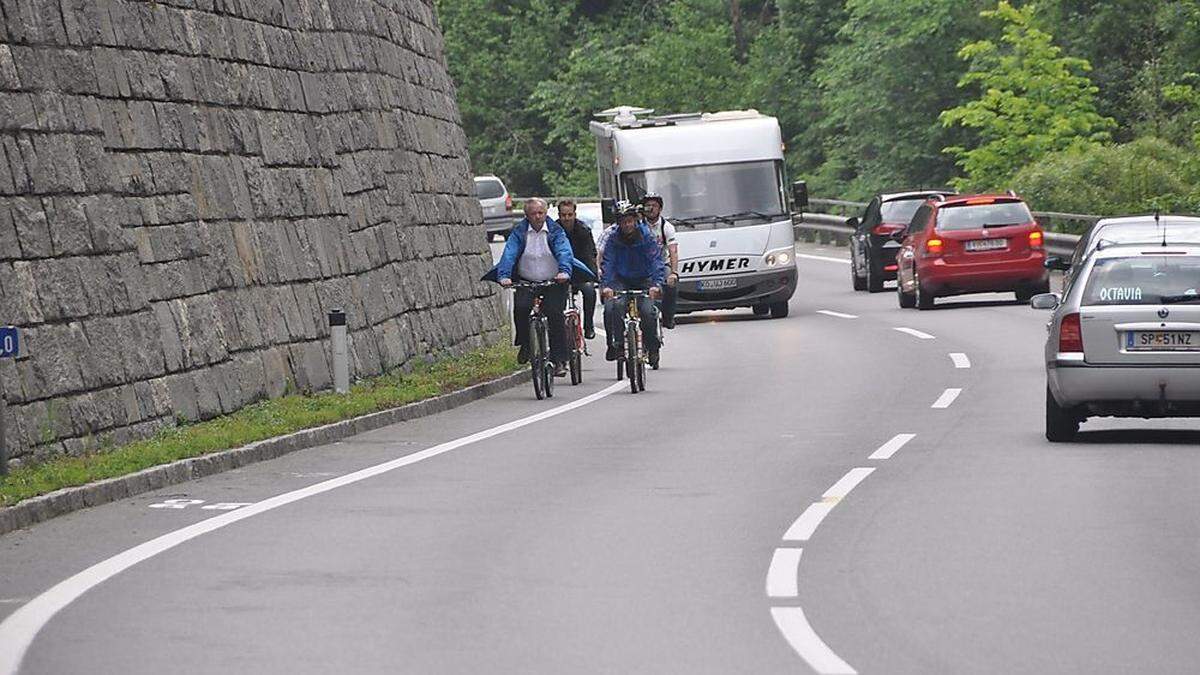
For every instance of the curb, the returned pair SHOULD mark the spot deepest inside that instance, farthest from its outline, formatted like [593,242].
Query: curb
[60,502]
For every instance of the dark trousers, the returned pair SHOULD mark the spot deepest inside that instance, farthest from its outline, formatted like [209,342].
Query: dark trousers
[554,303]
[614,321]
[589,304]
[669,297]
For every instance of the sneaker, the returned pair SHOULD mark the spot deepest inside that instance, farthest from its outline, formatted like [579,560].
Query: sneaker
[523,355]
[669,324]
[560,370]
[589,334]
[612,353]
[654,359]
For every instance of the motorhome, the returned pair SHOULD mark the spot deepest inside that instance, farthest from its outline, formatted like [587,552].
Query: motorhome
[722,179]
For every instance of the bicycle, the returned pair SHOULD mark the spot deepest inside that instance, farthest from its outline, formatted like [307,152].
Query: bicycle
[540,365]
[632,360]
[575,335]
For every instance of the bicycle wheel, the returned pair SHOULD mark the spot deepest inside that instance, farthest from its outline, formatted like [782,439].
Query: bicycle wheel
[547,364]
[537,360]
[632,358]
[548,373]
[576,368]
[641,372]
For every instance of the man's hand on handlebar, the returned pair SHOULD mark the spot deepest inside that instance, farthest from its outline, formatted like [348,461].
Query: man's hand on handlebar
[562,277]
[507,283]
[606,293]
[655,292]
[672,279]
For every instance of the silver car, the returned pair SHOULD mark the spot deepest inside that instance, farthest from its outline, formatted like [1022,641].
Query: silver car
[496,204]
[1149,229]
[1125,339]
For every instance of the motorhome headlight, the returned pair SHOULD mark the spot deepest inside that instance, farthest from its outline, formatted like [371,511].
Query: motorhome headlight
[778,257]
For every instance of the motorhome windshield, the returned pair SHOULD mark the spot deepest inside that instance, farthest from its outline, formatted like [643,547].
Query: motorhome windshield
[714,195]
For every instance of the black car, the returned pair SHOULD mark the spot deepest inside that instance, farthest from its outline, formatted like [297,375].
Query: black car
[877,236]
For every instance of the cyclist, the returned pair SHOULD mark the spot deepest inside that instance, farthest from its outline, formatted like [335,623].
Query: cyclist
[664,232]
[537,249]
[585,251]
[632,260]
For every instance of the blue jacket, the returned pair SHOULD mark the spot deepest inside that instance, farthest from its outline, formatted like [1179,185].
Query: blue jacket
[631,263]
[514,247]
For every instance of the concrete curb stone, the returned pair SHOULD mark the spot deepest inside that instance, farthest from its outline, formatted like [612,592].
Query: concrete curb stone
[60,502]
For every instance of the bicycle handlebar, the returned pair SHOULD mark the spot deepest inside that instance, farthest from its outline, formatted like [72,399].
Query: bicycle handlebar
[534,284]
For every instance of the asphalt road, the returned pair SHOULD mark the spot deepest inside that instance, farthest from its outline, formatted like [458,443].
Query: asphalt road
[758,508]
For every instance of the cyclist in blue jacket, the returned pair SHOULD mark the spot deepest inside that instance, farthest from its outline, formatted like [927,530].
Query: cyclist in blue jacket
[632,260]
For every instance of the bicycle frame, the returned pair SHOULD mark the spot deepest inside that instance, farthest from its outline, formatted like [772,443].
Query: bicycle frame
[542,370]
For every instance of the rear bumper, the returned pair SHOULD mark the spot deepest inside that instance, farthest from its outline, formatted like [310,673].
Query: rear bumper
[1126,391]
[1009,275]
[758,288]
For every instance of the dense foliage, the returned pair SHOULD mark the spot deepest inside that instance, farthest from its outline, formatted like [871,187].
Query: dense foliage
[872,94]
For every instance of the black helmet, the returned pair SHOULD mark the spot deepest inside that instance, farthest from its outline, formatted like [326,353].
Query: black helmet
[653,197]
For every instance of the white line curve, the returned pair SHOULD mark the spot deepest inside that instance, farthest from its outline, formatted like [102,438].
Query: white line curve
[18,631]
[836,315]
[960,360]
[801,636]
[783,576]
[915,333]
[946,399]
[807,256]
[847,483]
[890,448]
[808,522]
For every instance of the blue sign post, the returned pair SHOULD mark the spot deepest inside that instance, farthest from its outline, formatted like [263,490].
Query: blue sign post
[10,348]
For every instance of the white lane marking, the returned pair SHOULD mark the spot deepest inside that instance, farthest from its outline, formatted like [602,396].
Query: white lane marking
[888,449]
[824,258]
[836,315]
[807,523]
[960,360]
[22,626]
[176,503]
[783,576]
[801,636]
[946,399]
[915,333]
[845,484]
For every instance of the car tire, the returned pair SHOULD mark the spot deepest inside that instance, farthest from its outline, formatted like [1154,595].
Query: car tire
[859,283]
[906,300]
[924,299]
[779,310]
[1061,423]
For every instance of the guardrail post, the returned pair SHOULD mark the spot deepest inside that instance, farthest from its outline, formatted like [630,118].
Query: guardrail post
[341,355]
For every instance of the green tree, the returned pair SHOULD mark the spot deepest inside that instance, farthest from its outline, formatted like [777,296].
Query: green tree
[1033,101]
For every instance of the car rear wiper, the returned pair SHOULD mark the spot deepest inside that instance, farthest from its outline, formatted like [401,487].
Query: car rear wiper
[986,225]
[1176,299]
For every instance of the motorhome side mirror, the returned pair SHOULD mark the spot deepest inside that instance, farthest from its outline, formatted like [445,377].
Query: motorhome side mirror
[1054,262]
[1044,301]
[852,223]
[800,195]
[608,210]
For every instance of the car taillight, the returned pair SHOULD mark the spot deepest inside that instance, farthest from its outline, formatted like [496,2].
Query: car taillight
[891,268]
[508,202]
[1070,334]
[933,247]
[1036,239]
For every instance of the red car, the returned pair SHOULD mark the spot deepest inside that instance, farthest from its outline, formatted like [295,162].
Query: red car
[971,244]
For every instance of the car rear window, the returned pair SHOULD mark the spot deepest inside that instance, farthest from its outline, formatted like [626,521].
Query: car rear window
[976,216]
[1147,233]
[489,189]
[1143,280]
[900,210]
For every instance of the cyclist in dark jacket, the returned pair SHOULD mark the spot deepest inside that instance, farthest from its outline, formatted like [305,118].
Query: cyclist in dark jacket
[632,260]
[580,236]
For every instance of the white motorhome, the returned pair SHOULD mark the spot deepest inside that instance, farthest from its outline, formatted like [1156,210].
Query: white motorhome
[722,180]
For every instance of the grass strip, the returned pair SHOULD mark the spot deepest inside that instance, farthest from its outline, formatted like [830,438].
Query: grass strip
[259,421]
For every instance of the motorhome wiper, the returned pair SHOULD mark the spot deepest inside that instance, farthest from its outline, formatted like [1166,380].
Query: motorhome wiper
[756,214]
[692,222]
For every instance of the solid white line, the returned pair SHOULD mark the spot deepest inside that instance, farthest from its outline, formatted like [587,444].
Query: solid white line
[22,626]
[801,636]
[846,483]
[843,261]
[836,315]
[915,333]
[960,360]
[888,449]
[784,573]
[807,523]
[946,399]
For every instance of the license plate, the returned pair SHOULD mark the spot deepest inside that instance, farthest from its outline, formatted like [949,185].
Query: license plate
[1162,341]
[986,244]
[716,284]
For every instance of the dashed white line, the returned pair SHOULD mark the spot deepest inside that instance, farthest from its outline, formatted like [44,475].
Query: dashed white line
[846,483]
[807,523]
[946,399]
[801,636]
[890,448]
[18,629]
[783,577]
[960,360]
[806,256]
[836,315]
[915,333]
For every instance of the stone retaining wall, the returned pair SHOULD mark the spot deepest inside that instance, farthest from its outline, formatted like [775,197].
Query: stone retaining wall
[187,187]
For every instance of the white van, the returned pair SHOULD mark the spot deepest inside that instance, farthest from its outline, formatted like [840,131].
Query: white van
[722,180]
